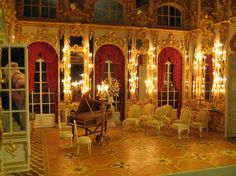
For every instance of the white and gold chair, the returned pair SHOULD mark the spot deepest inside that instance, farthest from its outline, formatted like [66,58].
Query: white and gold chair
[202,121]
[157,121]
[147,113]
[133,116]
[65,132]
[82,140]
[183,123]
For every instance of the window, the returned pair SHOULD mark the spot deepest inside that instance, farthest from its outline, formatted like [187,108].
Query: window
[169,16]
[41,99]
[140,3]
[108,11]
[109,73]
[40,8]
[207,82]
[169,95]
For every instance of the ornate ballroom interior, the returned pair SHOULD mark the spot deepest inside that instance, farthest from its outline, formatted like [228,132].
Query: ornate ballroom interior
[118,87]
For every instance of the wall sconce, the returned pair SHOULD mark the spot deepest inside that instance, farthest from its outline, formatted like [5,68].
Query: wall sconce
[151,82]
[219,63]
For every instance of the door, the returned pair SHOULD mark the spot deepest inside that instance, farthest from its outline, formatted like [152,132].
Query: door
[231,98]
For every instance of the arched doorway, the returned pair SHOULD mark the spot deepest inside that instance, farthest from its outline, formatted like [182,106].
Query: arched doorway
[170,78]
[109,61]
[43,83]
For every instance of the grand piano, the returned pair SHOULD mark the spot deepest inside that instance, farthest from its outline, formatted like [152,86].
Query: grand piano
[90,117]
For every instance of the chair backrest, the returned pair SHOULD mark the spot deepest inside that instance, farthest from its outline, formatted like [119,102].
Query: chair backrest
[76,135]
[185,116]
[203,116]
[168,110]
[148,109]
[160,112]
[134,111]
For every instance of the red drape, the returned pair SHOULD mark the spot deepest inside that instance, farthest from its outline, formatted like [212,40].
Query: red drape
[210,66]
[117,58]
[49,55]
[173,56]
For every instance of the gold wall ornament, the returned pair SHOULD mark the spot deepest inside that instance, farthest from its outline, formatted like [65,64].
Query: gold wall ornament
[110,38]
[207,30]
[171,41]
[9,14]
[11,148]
[42,35]
[222,30]
[221,10]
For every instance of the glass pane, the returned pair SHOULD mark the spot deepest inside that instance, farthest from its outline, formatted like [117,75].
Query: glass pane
[18,100]
[44,65]
[178,22]
[35,2]
[52,108]
[37,66]
[27,1]
[17,56]
[164,95]
[6,122]
[36,87]
[165,21]
[178,13]
[17,79]
[119,8]
[111,67]
[35,11]
[45,109]
[44,77]
[4,57]
[36,98]
[172,11]
[171,95]
[5,100]
[45,98]
[52,97]
[159,20]
[16,121]
[5,78]
[106,67]
[53,13]
[44,2]
[37,109]
[45,12]
[165,10]
[36,77]
[172,21]
[45,87]
[27,11]
[113,6]
[53,3]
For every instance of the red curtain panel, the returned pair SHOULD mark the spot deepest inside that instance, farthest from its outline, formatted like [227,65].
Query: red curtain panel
[172,55]
[117,58]
[49,55]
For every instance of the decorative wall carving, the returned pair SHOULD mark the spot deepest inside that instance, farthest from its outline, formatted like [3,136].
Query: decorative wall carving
[221,10]
[171,41]
[43,35]
[110,38]
[207,30]
[233,7]
[222,30]
[11,148]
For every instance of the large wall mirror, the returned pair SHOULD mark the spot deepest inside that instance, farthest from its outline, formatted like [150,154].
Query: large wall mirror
[77,67]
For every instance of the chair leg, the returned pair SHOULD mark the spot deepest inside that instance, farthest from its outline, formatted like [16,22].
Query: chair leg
[200,132]
[77,149]
[179,132]
[188,131]
[89,147]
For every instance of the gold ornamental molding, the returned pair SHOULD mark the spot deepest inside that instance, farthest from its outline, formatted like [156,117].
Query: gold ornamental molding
[171,42]
[11,148]
[77,31]
[42,35]
[110,38]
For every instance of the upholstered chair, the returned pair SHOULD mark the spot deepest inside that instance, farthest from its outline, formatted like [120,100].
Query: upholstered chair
[133,116]
[183,123]
[201,121]
[65,132]
[157,121]
[147,113]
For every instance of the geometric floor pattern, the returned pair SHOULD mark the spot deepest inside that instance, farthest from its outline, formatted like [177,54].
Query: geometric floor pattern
[37,167]
[134,153]
[129,153]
